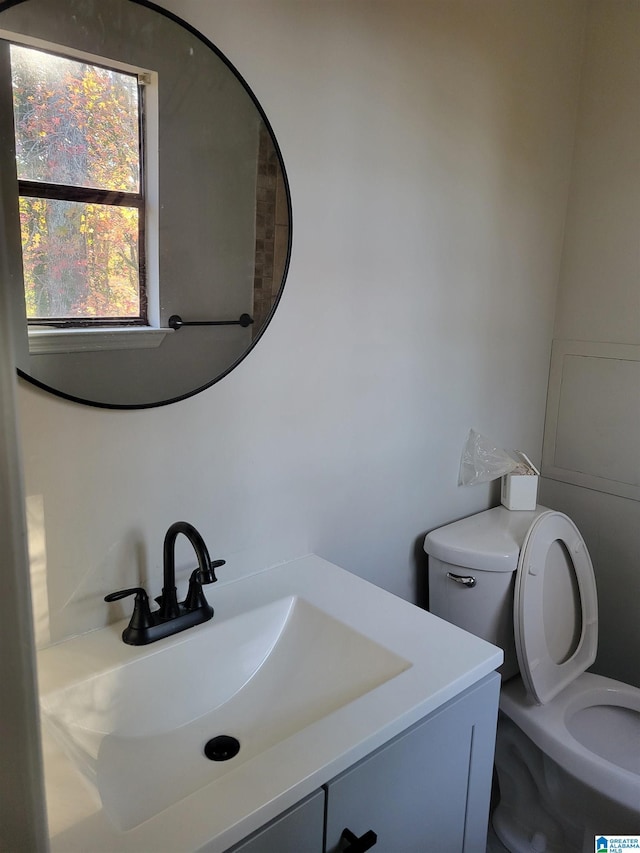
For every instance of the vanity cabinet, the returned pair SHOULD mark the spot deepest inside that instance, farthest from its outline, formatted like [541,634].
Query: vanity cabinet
[428,788]
[300,829]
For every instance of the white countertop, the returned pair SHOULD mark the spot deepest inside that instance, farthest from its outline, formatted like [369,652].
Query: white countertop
[444,661]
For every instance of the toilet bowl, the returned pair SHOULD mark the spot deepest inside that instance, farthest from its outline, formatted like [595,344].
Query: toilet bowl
[570,769]
[568,744]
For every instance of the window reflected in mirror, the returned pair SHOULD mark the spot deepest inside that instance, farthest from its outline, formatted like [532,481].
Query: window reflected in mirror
[78,155]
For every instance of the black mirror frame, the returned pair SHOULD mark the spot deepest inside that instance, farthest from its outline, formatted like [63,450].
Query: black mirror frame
[7,4]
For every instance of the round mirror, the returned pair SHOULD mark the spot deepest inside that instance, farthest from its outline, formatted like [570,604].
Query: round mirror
[147,214]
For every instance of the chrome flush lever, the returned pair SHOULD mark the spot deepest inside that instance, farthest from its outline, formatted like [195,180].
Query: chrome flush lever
[466,580]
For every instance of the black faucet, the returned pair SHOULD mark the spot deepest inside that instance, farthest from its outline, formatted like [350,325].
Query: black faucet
[147,626]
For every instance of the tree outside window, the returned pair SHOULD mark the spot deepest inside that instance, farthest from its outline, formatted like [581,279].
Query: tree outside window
[78,151]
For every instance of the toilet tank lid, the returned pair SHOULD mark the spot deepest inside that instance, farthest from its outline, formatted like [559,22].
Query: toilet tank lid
[489,541]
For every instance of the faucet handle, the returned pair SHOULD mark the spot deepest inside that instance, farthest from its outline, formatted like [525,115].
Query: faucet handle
[196,599]
[141,617]
[209,576]
[206,575]
[123,593]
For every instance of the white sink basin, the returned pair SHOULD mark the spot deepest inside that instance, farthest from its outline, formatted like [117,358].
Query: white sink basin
[259,677]
[309,667]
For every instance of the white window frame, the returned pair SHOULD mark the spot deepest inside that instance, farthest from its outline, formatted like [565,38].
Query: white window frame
[45,339]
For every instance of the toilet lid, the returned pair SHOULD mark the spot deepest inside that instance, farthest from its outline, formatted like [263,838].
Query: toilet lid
[555,599]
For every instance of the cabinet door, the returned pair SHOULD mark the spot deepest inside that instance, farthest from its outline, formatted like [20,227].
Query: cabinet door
[426,790]
[300,830]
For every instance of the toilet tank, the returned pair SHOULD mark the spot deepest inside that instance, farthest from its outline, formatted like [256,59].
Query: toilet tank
[481,552]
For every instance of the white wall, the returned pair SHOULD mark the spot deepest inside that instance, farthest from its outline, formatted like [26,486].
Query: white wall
[599,292]
[428,147]
[599,301]
[22,808]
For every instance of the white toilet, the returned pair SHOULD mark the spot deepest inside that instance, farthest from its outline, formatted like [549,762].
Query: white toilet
[568,745]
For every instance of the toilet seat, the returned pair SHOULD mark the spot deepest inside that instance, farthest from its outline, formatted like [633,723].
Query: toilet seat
[543,676]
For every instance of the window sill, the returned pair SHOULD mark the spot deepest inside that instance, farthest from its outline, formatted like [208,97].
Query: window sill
[94,340]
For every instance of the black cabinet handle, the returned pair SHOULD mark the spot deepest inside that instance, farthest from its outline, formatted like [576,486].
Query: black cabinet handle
[355,844]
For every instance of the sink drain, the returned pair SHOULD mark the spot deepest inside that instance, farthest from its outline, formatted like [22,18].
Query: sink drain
[222,748]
